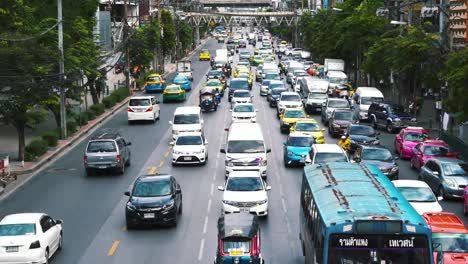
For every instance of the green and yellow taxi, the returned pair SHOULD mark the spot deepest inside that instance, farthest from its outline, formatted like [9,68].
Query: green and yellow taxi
[154,83]
[240,68]
[204,55]
[215,84]
[310,127]
[289,118]
[256,60]
[173,92]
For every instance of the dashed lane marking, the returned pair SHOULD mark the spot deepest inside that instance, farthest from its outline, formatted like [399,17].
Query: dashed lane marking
[283,203]
[113,248]
[209,206]
[212,189]
[152,170]
[161,163]
[205,225]
[166,154]
[200,252]
[281,190]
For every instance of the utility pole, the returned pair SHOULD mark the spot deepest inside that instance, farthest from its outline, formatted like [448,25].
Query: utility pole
[63,113]
[159,52]
[127,51]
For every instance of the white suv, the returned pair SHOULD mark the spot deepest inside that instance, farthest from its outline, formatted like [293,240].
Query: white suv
[288,100]
[244,112]
[323,153]
[189,148]
[245,192]
[143,108]
[241,96]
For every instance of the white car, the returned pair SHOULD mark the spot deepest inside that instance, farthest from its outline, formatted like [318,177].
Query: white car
[241,96]
[143,108]
[29,238]
[288,100]
[244,112]
[189,148]
[322,153]
[245,192]
[419,195]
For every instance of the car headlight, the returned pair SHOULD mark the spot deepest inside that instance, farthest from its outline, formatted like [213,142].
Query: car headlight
[229,202]
[177,152]
[290,153]
[262,202]
[168,205]
[451,184]
[376,142]
[396,119]
[228,163]
[131,207]
[175,132]
[199,152]
[394,169]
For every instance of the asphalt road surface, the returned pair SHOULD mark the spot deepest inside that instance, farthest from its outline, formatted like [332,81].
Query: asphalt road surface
[93,207]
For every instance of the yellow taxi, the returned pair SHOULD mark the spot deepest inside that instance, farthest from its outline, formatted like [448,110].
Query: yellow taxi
[204,55]
[215,84]
[289,118]
[154,83]
[310,127]
[240,68]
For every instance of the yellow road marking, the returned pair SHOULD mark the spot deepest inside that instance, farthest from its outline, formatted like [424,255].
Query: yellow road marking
[113,248]
[124,228]
[152,170]
[166,154]
[161,163]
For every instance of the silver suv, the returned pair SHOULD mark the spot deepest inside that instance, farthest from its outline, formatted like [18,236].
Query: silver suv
[107,151]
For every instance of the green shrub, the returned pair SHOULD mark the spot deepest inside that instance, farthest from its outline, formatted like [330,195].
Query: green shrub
[98,109]
[51,138]
[83,119]
[35,149]
[109,101]
[90,114]
[121,93]
[71,126]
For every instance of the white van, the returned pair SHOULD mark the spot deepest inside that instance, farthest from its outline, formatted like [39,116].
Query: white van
[336,78]
[245,149]
[186,119]
[363,98]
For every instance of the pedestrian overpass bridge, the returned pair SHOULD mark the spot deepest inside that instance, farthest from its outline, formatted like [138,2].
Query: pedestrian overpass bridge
[247,18]
[236,3]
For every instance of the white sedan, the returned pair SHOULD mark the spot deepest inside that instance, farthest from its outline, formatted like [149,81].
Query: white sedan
[29,238]
[419,195]
[244,112]
[189,148]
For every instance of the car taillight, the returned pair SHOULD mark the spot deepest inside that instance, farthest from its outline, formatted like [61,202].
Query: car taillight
[119,157]
[35,244]
[149,109]
[85,158]
[129,109]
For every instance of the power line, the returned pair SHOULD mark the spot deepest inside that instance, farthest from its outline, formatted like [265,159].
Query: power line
[32,37]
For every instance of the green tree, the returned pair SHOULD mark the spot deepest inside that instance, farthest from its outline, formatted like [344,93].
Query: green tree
[143,43]
[169,37]
[185,36]
[457,77]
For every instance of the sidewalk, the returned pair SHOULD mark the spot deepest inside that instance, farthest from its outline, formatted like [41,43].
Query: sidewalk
[8,138]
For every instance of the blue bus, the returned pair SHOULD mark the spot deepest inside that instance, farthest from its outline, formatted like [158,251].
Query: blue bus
[352,214]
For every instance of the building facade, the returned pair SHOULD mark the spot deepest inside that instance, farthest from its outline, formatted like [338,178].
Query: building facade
[458,24]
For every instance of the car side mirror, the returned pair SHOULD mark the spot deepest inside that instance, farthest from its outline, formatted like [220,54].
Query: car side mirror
[384,111]
[206,142]
[268,150]
[268,188]
[322,129]
[440,198]
[170,122]
[178,190]
[222,150]
[129,143]
[220,188]
[58,221]
[172,143]
[127,193]
[230,110]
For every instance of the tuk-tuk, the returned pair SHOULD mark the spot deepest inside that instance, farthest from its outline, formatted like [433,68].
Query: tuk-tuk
[344,91]
[208,99]
[238,239]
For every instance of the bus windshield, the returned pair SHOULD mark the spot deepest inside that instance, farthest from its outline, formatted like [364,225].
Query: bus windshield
[378,249]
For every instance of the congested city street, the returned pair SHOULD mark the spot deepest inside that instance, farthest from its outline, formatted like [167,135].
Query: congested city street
[93,207]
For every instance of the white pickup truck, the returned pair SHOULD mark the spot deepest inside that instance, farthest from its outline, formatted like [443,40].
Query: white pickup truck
[185,68]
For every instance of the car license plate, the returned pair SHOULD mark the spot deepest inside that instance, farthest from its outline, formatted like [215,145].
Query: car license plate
[302,160]
[102,167]
[140,110]
[244,210]
[187,158]
[149,215]
[11,249]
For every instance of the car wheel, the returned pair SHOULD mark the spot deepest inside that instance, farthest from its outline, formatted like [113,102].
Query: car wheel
[122,169]
[60,243]
[159,114]
[128,163]
[412,164]
[390,127]
[154,119]
[420,178]
[129,225]
[130,122]
[180,209]
[465,211]
[89,172]
[174,222]
[441,192]
[373,123]
[46,256]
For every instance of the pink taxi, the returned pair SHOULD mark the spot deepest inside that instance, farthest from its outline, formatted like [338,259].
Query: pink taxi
[465,201]
[428,149]
[407,138]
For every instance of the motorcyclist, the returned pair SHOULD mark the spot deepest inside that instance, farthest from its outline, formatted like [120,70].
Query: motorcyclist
[217,96]
[345,142]
[228,70]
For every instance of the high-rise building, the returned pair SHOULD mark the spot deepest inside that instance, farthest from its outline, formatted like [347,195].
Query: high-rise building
[458,24]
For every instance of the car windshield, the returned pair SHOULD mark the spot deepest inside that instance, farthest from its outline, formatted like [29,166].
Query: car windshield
[436,151]
[318,96]
[189,140]
[291,97]
[101,146]
[307,126]
[243,108]
[239,84]
[276,85]
[172,88]
[297,73]
[277,91]
[179,79]
[244,184]
[376,154]
[266,83]
[370,100]
[213,83]
[418,194]
[139,102]
[204,51]
[229,246]
[415,136]
[455,169]
[258,57]
[152,188]
[450,242]
[337,79]
[272,76]
[294,114]
[186,119]
[153,79]
[17,229]
[215,73]
[300,141]
[244,53]
[395,109]
[242,94]
[338,104]
[322,157]
[245,146]
[348,116]
[362,130]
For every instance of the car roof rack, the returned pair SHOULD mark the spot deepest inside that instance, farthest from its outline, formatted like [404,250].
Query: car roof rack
[106,133]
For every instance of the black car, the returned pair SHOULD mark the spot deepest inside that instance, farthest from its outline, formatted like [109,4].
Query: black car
[230,40]
[389,116]
[154,199]
[361,135]
[237,84]
[231,47]
[378,156]
[216,74]
[273,95]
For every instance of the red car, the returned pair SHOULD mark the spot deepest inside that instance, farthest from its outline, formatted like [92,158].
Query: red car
[465,201]
[408,138]
[427,149]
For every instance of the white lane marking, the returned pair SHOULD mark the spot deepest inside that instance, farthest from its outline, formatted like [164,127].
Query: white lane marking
[283,203]
[209,206]
[212,189]
[200,252]
[214,176]
[205,225]
[281,189]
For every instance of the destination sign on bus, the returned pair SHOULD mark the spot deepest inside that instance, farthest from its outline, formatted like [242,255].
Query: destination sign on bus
[377,241]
